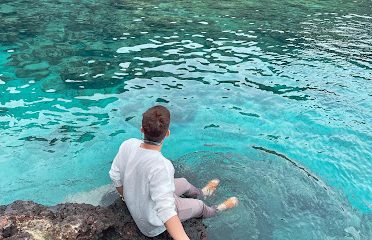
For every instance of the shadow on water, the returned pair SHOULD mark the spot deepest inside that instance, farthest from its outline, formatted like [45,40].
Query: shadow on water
[279,199]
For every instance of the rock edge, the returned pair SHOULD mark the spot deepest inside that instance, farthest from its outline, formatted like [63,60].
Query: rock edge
[32,221]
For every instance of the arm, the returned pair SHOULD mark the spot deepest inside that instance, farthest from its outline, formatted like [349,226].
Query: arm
[175,229]
[120,190]
[115,176]
[161,192]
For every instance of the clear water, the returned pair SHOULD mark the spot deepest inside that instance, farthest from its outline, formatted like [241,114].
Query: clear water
[273,97]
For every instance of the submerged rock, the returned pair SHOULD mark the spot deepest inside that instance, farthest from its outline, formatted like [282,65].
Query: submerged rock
[29,220]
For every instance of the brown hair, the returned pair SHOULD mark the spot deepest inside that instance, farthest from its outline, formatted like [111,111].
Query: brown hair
[155,123]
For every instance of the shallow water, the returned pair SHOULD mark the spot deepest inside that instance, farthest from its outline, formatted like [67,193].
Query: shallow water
[243,78]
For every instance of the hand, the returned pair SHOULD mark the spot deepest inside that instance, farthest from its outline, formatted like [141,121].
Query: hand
[175,229]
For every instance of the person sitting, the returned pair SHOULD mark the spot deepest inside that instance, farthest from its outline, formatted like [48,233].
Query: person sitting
[145,180]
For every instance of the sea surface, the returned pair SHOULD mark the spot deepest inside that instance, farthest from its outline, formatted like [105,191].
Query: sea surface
[272,97]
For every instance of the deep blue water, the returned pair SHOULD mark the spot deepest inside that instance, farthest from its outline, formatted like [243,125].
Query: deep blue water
[273,97]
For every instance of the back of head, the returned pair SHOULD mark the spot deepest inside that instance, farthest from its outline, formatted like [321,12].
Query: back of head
[155,123]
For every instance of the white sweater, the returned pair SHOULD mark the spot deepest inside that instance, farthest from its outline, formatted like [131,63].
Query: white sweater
[147,178]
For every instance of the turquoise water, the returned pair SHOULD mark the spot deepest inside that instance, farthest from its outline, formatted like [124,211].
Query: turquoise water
[273,97]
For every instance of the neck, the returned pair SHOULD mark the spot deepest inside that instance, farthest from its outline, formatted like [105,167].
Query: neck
[151,147]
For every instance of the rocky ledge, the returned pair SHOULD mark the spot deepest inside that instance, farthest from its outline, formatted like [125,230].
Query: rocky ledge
[29,220]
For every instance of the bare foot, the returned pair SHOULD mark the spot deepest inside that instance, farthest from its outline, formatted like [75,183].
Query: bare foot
[227,204]
[210,188]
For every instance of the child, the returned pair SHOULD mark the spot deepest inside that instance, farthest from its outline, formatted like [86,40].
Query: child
[145,178]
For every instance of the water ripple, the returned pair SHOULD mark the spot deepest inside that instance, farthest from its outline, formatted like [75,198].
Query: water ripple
[292,77]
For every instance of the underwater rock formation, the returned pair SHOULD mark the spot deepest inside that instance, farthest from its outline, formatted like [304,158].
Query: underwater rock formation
[279,198]
[29,220]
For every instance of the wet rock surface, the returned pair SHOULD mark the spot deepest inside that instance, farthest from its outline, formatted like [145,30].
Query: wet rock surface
[29,220]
